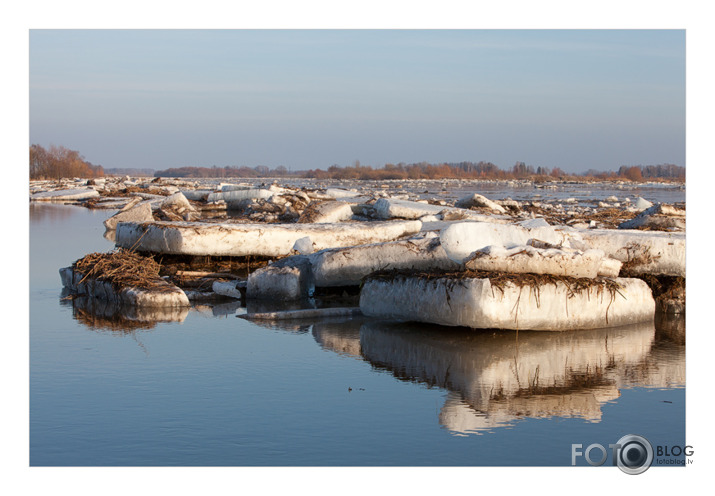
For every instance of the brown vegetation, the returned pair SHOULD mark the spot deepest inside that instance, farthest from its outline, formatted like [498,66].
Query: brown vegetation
[58,162]
[121,268]
[424,170]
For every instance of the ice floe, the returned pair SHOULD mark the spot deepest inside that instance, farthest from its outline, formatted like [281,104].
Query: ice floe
[326,212]
[475,302]
[270,240]
[556,261]
[642,252]
[348,266]
[61,195]
[134,211]
[165,295]
[461,240]
[661,217]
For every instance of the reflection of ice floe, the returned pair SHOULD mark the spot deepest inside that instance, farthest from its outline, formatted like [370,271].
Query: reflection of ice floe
[671,327]
[217,309]
[302,320]
[665,366]
[342,336]
[459,417]
[500,377]
[265,306]
[101,314]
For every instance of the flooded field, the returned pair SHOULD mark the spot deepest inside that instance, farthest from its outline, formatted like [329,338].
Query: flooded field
[200,387]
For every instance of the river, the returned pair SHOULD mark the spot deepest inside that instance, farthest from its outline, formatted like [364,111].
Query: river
[205,388]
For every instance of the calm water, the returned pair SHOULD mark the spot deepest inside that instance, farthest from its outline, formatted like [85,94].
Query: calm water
[203,387]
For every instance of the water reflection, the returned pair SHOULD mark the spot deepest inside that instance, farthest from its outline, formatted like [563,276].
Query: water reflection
[494,379]
[340,337]
[102,315]
[110,235]
[48,212]
[218,309]
[298,326]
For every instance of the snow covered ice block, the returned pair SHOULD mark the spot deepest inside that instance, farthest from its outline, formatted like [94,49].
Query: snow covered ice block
[196,194]
[281,282]
[326,212]
[661,216]
[555,261]
[341,193]
[227,288]
[178,201]
[404,209]
[475,302]
[165,295]
[270,240]
[477,200]
[643,252]
[462,239]
[66,195]
[135,211]
[347,266]
[234,197]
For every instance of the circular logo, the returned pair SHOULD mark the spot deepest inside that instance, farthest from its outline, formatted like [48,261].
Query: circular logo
[635,454]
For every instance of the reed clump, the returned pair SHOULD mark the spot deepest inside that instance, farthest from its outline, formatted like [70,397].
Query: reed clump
[121,268]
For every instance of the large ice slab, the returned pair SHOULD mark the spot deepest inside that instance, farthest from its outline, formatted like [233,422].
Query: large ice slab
[477,200]
[475,302]
[166,295]
[196,194]
[462,239]
[177,207]
[233,197]
[555,261]
[76,194]
[404,209]
[347,266]
[279,281]
[391,208]
[270,240]
[135,211]
[661,216]
[326,212]
[642,252]
[293,277]
[341,193]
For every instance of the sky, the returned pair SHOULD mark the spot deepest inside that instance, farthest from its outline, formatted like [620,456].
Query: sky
[306,99]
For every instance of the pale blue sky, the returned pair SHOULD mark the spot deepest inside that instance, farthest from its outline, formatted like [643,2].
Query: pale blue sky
[312,98]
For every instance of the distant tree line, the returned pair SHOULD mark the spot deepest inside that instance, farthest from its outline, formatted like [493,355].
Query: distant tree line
[57,162]
[228,171]
[424,170]
[128,171]
[667,171]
